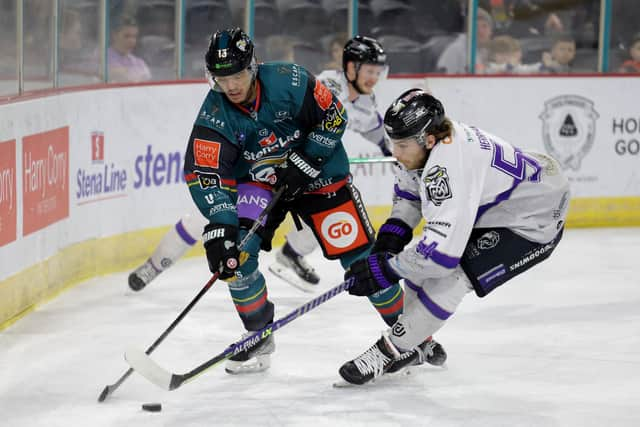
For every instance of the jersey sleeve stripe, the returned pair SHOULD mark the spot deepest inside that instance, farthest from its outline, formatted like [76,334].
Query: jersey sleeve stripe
[434,308]
[182,232]
[499,198]
[404,194]
[444,260]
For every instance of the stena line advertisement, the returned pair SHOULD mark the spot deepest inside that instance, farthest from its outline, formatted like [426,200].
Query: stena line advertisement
[97,163]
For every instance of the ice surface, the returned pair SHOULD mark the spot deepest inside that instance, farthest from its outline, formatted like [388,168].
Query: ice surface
[558,346]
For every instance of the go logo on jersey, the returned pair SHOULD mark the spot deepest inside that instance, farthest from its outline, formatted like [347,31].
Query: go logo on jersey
[340,229]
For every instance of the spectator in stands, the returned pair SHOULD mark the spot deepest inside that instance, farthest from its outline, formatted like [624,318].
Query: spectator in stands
[75,54]
[279,48]
[527,18]
[453,59]
[124,66]
[632,65]
[562,54]
[336,46]
[505,57]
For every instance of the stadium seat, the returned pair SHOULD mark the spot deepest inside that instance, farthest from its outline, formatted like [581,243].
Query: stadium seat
[305,20]
[394,18]
[156,18]
[403,54]
[338,16]
[203,17]
[266,19]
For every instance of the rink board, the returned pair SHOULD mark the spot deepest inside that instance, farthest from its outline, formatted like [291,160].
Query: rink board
[90,180]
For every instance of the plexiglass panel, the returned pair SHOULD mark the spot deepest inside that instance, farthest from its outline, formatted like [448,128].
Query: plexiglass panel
[8,54]
[624,56]
[79,43]
[540,36]
[38,45]
[203,18]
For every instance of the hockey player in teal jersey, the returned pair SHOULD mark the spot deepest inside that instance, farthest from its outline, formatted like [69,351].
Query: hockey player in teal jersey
[260,128]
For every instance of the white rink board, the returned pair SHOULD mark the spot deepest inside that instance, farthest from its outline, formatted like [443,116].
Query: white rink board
[143,126]
[605,165]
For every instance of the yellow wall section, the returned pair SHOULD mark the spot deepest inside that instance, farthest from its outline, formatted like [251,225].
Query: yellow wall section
[19,294]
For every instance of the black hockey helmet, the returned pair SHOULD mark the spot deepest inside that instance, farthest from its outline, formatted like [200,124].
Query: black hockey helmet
[413,114]
[230,51]
[363,50]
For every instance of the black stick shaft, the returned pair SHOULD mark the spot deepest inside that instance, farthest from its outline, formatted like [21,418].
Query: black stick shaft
[178,379]
[258,222]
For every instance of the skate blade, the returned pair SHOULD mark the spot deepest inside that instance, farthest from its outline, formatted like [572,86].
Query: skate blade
[258,364]
[290,276]
[341,383]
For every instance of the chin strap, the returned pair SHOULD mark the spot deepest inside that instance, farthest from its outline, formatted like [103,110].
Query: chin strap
[354,81]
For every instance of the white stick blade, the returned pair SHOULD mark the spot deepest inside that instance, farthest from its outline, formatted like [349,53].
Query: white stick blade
[148,368]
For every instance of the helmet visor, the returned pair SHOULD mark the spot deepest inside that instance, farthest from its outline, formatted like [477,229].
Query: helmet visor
[377,71]
[403,138]
[224,83]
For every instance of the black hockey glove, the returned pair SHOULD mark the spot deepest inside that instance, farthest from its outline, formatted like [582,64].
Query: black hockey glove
[370,275]
[393,236]
[296,173]
[222,251]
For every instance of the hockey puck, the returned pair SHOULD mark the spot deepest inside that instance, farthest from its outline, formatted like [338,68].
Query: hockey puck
[152,407]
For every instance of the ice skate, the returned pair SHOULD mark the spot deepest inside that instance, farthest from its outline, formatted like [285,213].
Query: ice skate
[293,269]
[142,276]
[380,358]
[429,351]
[255,359]
[434,353]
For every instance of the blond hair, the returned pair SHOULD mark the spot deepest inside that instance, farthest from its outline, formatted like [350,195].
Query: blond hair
[503,45]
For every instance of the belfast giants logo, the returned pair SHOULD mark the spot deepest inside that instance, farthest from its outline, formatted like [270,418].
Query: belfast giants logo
[340,229]
[568,129]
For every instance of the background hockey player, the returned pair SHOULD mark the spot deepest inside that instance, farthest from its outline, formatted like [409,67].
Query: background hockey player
[492,211]
[363,66]
[263,127]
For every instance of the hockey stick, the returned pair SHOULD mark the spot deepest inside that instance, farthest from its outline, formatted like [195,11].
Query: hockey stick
[359,160]
[159,376]
[108,390]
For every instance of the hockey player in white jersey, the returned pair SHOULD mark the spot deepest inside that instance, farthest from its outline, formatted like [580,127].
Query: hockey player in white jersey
[364,65]
[491,212]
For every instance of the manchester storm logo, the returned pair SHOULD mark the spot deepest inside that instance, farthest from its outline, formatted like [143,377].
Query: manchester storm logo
[568,129]
[437,185]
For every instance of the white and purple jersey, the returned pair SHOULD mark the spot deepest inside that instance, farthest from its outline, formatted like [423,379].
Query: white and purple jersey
[363,114]
[477,181]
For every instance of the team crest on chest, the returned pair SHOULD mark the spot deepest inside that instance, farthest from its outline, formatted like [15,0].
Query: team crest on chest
[437,185]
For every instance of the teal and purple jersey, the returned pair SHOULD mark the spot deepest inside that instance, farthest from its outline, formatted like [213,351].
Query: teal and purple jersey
[234,149]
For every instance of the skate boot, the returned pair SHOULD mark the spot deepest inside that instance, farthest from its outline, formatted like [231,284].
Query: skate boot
[293,269]
[434,353]
[429,351]
[254,359]
[382,357]
[142,275]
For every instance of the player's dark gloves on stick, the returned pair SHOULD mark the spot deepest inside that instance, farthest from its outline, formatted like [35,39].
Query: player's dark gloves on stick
[371,274]
[222,251]
[393,236]
[296,173]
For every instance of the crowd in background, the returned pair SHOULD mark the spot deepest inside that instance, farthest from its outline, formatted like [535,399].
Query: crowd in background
[419,36]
